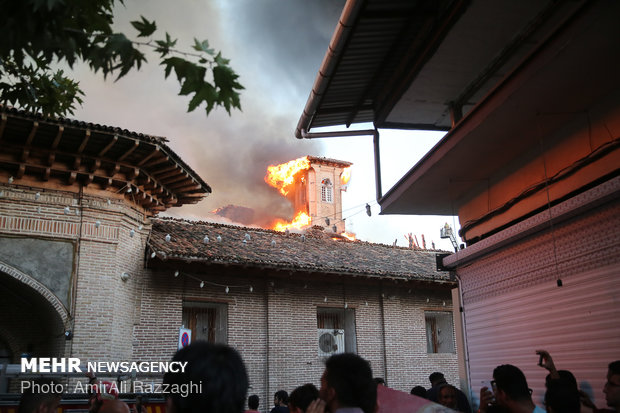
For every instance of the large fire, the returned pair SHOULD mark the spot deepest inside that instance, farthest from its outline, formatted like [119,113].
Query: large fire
[282,176]
[301,220]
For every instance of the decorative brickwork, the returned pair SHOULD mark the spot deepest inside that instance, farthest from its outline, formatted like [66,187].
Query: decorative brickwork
[39,288]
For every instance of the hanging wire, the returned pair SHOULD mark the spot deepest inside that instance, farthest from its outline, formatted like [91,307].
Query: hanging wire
[226,286]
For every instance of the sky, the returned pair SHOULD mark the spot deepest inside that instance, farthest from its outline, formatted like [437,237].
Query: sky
[276,47]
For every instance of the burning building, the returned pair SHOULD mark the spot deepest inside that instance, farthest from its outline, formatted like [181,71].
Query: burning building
[87,270]
[314,186]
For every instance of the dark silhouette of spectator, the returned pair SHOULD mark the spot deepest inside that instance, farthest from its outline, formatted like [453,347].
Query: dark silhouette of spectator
[220,372]
[253,402]
[562,395]
[562,399]
[301,397]
[511,391]
[611,389]
[612,386]
[379,381]
[437,379]
[419,391]
[446,396]
[280,400]
[40,397]
[347,383]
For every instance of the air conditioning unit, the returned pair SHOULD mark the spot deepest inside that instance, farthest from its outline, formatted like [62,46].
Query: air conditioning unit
[331,341]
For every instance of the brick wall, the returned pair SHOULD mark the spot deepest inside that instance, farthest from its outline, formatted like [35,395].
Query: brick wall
[273,326]
[100,310]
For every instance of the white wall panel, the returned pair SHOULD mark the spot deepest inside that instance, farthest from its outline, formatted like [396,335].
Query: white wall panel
[578,323]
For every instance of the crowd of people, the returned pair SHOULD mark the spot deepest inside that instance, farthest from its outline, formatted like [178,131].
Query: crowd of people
[347,386]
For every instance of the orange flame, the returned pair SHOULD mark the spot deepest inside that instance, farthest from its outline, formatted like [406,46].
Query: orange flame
[282,176]
[345,176]
[300,221]
[349,236]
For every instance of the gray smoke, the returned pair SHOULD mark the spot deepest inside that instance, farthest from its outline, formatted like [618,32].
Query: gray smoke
[276,46]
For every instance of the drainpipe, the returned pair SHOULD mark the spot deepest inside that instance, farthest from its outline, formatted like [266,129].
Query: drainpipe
[382,307]
[366,132]
[267,367]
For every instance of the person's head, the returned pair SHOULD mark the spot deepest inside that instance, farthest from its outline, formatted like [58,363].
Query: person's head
[510,384]
[566,379]
[253,402]
[220,372]
[280,398]
[436,378]
[301,397]
[612,386]
[113,406]
[562,398]
[347,382]
[419,391]
[39,396]
[446,396]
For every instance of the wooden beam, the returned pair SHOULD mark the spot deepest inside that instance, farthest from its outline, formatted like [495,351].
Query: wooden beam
[33,132]
[136,143]
[28,143]
[133,174]
[149,156]
[195,195]
[174,179]
[157,162]
[187,187]
[169,174]
[56,142]
[115,169]
[72,177]
[95,165]
[106,183]
[144,180]
[46,173]
[89,179]
[84,141]
[52,155]
[163,170]
[108,146]
[20,171]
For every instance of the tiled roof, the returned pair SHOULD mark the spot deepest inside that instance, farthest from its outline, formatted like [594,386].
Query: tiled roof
[328,161]
[105,155]
[313,251]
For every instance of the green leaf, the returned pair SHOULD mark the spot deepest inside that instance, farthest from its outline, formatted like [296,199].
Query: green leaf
[203,47]
[164,46]
[220,60]
[144,27]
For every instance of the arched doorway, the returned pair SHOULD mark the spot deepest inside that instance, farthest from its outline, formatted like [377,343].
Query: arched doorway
[29,323]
